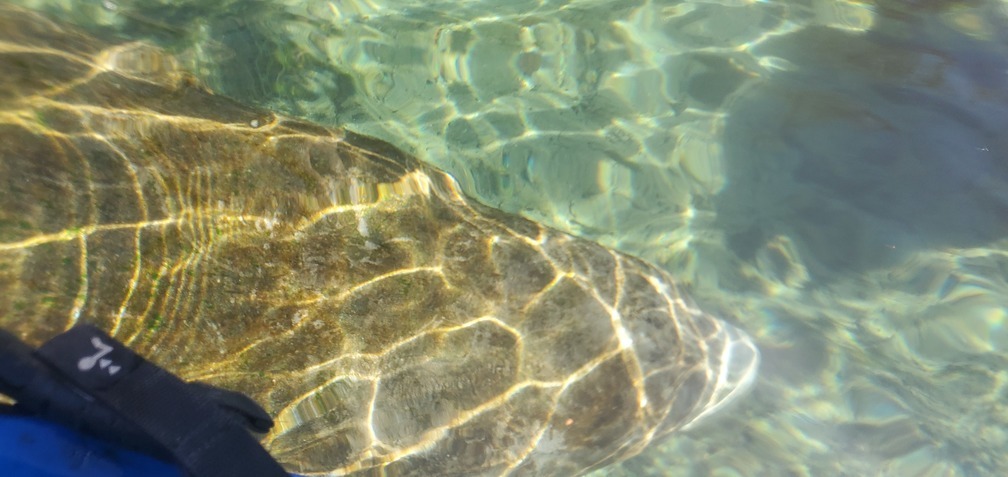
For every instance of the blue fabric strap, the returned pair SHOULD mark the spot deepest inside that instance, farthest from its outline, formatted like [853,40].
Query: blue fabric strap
[201,428]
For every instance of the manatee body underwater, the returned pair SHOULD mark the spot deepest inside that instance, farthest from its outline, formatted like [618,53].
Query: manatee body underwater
[389,324]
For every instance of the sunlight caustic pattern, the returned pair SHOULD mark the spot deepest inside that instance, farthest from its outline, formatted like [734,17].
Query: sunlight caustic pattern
[387,322]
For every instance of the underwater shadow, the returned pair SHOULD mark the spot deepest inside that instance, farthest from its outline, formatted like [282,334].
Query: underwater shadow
[868,146]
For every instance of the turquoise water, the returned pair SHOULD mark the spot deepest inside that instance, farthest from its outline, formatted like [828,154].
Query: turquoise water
[831,176]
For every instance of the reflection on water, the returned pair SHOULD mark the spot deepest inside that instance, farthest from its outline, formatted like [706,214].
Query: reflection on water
[830,175]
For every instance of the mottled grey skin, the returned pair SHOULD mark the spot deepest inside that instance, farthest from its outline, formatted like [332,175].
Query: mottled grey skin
[388,323]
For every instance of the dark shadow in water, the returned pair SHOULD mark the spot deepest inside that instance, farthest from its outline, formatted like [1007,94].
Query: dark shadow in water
[871,145]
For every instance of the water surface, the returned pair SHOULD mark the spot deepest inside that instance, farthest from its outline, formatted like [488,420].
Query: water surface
[831,176]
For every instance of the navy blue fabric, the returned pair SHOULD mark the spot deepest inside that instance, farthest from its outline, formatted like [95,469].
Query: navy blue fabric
[122,412]
[203,438]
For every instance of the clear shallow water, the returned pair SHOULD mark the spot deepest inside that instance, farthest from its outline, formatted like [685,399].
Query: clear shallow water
[831,176]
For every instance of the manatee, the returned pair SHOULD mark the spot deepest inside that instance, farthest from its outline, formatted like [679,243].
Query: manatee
[389,324]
